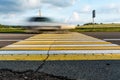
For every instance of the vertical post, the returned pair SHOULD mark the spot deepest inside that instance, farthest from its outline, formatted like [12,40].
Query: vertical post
[93,17]
[40,13]
[93,21]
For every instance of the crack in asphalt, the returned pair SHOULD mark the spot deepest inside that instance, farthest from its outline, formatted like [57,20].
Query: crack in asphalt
[44,61]
[8,74]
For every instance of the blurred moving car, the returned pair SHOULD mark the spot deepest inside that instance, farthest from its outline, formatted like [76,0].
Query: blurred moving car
[45,23]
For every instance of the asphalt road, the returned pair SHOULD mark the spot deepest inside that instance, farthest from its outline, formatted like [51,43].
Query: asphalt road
[79,70]
[113,37]
[6,38]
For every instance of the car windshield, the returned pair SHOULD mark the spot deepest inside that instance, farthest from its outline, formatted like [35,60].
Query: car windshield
[40,19]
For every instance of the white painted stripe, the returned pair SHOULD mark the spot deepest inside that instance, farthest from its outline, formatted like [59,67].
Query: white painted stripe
[111,39]
[60,45]
[64,52]
[61,40]
[86,52]
[66,39]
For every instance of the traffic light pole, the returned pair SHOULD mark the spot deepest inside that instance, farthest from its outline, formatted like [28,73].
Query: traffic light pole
[93,21]
[93,17]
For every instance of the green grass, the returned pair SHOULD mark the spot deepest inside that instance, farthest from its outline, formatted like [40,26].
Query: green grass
[85,28]
[11,30]
[100,25]
[98,28]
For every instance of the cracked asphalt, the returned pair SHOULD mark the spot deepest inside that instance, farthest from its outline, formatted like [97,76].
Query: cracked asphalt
[77,69]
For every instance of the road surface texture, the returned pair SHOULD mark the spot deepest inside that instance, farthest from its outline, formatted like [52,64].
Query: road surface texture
[113,37]
[7,38]
[74,56]
[6,74]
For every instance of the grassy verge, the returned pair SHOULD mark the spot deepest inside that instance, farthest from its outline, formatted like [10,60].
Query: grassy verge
[11,30]
[85,28]
[98,28]
[105,29]
[101,26]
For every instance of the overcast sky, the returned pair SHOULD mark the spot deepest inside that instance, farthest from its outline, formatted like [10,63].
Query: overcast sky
[68,11]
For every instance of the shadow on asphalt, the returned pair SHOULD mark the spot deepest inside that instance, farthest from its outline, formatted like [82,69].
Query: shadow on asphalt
[6,74]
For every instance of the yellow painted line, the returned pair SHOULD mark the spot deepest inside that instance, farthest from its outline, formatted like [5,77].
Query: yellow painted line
[36,57]
[34,42]
[82,42]
[87,48]
[55,42]
[25,48]
[23,57]
[64,48]
[70,36]
[62,39]
[81,57]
